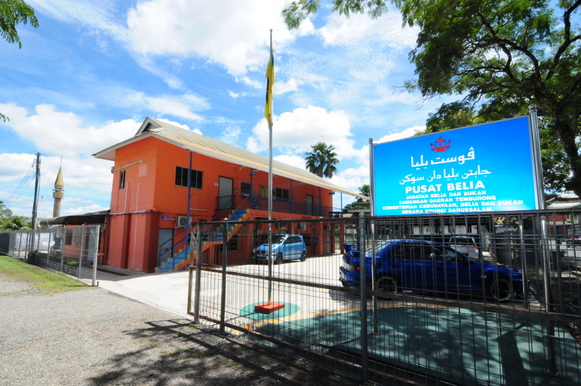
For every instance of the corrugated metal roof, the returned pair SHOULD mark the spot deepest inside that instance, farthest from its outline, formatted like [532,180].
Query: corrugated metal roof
[198,143]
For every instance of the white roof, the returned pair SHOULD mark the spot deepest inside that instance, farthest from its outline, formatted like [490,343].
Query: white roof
[200,144]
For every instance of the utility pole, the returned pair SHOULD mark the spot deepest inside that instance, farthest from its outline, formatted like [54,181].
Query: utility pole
[35,203]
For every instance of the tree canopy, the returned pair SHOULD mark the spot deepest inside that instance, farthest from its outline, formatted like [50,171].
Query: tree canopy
[8,222]
[14,223]
[322,160]
[364,190]
[13,12]
[500,57]
[4,211]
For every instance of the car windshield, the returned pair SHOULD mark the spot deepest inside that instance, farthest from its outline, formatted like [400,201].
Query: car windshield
[277,239]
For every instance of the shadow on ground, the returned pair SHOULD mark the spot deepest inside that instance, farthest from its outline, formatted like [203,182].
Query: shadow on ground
[179,352]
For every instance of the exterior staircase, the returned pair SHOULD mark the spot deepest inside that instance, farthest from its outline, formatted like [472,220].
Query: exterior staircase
[181,260]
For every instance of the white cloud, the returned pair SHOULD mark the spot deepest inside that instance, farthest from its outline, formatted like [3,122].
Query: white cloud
[292,160]
[96,15]
[59,133]
[407,133]
[295,132]
[360,29]
[190,29]
[352,179]
[87,183]
[171,107]
[181,125]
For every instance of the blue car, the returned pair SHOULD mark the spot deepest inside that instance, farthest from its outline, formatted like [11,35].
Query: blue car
[428,267]
[284,247]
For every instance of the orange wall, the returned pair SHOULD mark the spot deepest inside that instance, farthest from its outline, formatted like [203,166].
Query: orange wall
[150,195]
[150,184]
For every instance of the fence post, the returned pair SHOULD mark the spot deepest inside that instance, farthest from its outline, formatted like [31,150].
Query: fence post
[81,251]
[19,243]
[363,293]
[524,265]
[548,298]
[224,264]
[374,280]
[96,254]
[198,274]
[48,250]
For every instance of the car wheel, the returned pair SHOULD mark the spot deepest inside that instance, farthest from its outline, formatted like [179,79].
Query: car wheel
[278,259]
[501,289]
[303,256]
[387,285]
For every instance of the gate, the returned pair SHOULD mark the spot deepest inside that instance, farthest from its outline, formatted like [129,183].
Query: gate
[505,312]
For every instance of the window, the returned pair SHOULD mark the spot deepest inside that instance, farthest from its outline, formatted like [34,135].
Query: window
[281,194]
[245,188]
[233,244]
[182,177]
[69,237]
[122,179]
[412,252]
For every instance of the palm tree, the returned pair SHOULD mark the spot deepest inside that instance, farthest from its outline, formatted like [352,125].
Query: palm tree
[322,160]
[364,190]
[15,223]
[4,211]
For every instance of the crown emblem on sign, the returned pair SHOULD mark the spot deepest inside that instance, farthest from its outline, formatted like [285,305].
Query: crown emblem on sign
[441,145]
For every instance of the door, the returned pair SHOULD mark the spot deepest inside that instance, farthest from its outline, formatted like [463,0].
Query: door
[413,266]
[225,198]
[164,245]
[309,204]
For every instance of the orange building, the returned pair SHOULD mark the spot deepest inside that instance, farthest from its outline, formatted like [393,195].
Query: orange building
[150,192]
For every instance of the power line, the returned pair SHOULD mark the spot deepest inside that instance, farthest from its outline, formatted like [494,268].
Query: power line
[22,185]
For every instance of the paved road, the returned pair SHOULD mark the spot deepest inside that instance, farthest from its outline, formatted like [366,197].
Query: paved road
[170,291]
[96,337]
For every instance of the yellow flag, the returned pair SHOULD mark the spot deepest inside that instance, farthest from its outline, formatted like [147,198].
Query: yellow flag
[269,85]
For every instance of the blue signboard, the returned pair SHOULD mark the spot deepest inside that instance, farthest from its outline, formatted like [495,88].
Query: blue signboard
[483,168]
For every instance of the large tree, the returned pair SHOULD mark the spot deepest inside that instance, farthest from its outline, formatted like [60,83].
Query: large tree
[322,160]
[13,12]
[501,56]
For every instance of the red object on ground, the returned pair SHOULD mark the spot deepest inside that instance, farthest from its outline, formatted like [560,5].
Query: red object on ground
[268,307]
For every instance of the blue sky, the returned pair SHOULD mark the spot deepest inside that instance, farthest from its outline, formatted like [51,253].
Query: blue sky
[95,69]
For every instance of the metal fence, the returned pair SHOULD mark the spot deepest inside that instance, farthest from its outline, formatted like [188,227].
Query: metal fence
[500,332]
[67,250]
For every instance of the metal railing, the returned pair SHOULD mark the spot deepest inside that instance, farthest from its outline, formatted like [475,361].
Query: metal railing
[428,335]
[224,203]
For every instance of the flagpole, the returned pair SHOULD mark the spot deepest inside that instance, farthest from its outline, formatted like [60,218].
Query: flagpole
[268,113]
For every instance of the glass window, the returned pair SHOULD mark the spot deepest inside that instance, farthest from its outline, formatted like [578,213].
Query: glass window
[182,177]
[122,179]
[69,237]
[245,188]
[281,194]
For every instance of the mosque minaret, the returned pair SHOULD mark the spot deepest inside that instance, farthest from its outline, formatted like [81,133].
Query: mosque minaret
[58,193]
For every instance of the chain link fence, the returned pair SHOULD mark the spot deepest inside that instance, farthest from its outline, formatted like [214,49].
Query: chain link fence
[72,250]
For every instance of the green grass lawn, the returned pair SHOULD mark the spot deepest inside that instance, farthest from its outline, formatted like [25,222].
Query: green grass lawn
[42,279]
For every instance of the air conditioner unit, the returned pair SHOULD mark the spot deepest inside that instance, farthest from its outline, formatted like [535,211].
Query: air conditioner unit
[181,222]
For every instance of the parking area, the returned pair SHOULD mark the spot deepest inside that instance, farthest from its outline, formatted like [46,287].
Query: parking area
[404,337]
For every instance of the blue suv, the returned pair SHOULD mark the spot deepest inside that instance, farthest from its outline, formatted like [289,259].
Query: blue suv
[424,266]
[284,247]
